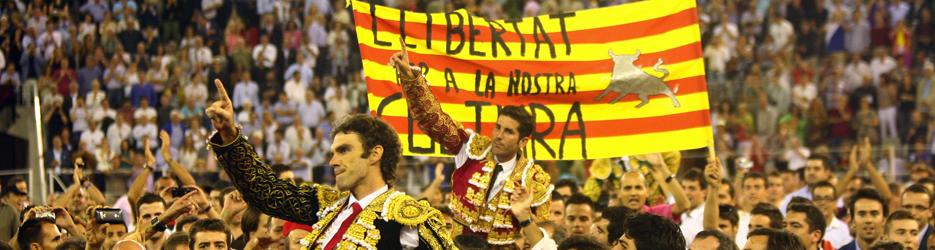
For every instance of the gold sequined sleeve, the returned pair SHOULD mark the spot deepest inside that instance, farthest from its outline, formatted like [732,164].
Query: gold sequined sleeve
[260,188]
[427,112]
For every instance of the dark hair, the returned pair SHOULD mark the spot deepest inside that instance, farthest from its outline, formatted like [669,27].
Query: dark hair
[250,221]
[813,217]
[927,180]
[373,132]
[868,194]
[31,231]
[696,176]
[886,245]
[728,213]
[73,243]
[774,174]
[185,220]
[920,189]
[208,225]
[470,242]
[280,168]
[824,161]
[147,198]
[730,188]
[825,184]
[724,242]
[557,197]
[10,187]
[897,215]
[226,191]
[521,116]
[616,216]
[778,239]
[798,200]
[179,238]
[582,242]
[768,210]
[755,176]
[567,183]
[651,231]
[579,199]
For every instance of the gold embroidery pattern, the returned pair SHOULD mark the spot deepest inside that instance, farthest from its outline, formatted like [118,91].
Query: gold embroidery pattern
[389,206]
[479,144]
[426,110]
[409,212]
[494,217]
[260,187]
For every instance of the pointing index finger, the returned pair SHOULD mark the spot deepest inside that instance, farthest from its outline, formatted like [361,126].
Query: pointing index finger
[402,45]
[221,91]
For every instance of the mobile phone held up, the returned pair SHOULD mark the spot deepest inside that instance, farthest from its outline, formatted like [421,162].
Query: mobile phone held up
[108,216]
[181,191]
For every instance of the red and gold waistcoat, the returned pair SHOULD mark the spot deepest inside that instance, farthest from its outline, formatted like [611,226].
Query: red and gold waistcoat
[473,213]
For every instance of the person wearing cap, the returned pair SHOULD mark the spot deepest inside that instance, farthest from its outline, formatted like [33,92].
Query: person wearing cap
[14,199]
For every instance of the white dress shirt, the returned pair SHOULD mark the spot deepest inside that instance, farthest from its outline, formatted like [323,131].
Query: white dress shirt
[507,166]
[838,233]
[693,223]
[408,237]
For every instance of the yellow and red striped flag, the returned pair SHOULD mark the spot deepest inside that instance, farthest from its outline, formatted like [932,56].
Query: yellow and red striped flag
[570,70]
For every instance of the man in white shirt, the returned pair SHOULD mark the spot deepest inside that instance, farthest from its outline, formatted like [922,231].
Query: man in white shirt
[298,136]
[246,89]
[782,32]
[880,64]
[278,152]
[264,54]
[294,88]
[837,233]
[304,67]
[695,188]
[144,112]
[93,137]
[144,130]
[816,170]
[118,132]
[313,112]
[200,53]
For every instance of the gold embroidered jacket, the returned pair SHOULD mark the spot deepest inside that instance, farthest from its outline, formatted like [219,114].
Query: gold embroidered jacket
[473,213]
[378,226]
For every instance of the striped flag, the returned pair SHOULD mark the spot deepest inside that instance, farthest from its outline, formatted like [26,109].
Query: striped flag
[584,75]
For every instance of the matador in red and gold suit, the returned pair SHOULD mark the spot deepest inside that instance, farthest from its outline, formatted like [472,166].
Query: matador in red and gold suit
[482,182]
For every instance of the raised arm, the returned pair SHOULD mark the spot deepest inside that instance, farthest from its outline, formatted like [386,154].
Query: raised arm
[424,107]
[139,184]
[256,180]
[712,173]
[853,167]
[184,176]
[661,174]
[875,177]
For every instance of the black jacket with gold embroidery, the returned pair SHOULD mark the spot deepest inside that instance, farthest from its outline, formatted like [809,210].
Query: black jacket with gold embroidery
[378,226]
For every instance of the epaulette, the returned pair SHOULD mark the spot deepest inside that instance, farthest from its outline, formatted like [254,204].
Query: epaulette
[327,195]
[408,211]
[478,145]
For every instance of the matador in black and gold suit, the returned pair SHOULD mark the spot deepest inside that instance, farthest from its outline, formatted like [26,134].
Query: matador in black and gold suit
[379,225]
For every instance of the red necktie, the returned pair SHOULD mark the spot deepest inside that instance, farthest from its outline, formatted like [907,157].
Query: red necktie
[344,225]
